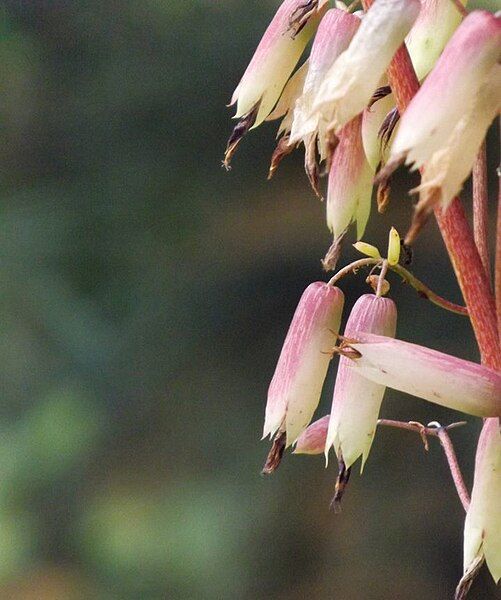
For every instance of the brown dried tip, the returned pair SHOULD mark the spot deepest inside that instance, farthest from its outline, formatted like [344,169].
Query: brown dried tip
[311,165]
[388,126]
[422,212]
[387,170]
[301,16]
[465,583]
[383,196]
[329,262]
[241,128]
[332,142]
[341,483]
[275,454]
[379,94]
[281,151]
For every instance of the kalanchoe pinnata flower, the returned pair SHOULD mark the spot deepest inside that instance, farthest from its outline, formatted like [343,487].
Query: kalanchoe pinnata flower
[437,21]
[357,400]
[482,531]
[449,92]
[448,168]
[350,182]
[355,75]
[296,386]
[272,64]
[333,36]
[312,440]
[434,376]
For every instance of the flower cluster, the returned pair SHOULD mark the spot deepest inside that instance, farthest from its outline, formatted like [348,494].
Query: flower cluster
[344,106]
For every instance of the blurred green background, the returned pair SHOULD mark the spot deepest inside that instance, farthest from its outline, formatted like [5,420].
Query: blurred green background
[145,295]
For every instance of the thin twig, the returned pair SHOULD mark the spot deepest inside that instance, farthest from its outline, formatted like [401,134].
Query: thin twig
[422,289]
[481,208]
[437,430]
[382,275]
[460,7]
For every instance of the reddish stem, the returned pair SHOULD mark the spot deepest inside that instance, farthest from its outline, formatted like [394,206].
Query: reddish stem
[481,208]
[498,260]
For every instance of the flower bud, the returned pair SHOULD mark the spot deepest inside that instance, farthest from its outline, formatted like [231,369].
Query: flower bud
[356,401]
[434,376]
[312,440]
[299,376]
[349,188]
[437,21]
[351,81]
[482,529]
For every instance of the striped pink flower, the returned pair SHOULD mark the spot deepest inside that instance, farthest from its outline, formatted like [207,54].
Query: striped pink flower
[357,400]
[434,376]
[299,376]
[350,182]
[450,91]
[355,75]
[482,530]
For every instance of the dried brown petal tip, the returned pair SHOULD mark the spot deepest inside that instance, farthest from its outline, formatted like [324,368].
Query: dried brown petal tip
[301,16]
[341,483]
[275,454]
[465,583]
[241,128]
[379,94]
[392,165]
[282,150]
[383,196]
[311,165]
[373,281]
[422,212]
[388,126]
[330,260]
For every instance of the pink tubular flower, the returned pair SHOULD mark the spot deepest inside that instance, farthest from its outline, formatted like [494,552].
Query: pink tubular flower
[312,440]
[437,21]
[449,92]
[333,36]
[357,400]
[272,64]
[296,386]
[434,376]
[355,75]
[482,530]
[350,182]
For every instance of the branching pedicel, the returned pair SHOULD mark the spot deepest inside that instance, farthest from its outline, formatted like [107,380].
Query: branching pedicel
[401,81]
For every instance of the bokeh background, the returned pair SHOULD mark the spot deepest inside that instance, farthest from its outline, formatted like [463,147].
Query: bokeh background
[145,295]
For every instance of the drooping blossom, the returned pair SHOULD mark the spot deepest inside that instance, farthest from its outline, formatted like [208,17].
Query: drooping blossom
[448,168]
[355,75]
[272,64]
[437,21]
[482,530]
[434,376]
[312,440]
[333,36]
[357,400]
[299,376]
[450,91]
[350,182]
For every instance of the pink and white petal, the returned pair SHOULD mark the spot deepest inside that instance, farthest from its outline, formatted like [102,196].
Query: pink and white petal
[312,440]
[428,374]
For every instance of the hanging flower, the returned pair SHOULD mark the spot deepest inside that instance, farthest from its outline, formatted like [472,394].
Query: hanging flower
[355,75]
[357,400]
[482,530]
[272,64]
[434,376]
[296,386]
[437,21]
[350,182]
[449,92]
